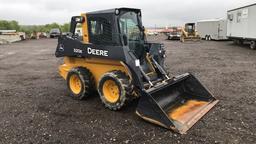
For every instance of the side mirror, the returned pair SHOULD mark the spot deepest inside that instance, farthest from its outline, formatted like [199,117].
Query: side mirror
[125,40]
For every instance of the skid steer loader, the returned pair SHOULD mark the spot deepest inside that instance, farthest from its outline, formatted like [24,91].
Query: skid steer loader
[113,57]
[189,33]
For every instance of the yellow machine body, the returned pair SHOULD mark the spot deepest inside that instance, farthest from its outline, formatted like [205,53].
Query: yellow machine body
[189,33]
[97,67]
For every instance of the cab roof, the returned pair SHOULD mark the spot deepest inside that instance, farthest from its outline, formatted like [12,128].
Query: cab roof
[109,11]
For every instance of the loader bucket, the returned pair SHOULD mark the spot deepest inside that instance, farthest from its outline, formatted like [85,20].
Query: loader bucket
[177,104]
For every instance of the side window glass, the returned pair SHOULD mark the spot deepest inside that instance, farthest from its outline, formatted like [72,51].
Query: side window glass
[79,32]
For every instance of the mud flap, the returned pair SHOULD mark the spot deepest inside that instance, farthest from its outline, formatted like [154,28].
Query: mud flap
[177,104]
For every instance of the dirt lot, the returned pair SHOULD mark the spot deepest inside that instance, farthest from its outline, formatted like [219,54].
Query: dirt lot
[35,107]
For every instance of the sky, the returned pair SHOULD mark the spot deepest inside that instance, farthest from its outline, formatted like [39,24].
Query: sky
[158,13]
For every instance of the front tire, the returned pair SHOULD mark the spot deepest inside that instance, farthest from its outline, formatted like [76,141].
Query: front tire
[80,83]
[114,88]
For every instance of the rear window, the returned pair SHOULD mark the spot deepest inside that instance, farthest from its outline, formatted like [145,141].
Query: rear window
[100,31]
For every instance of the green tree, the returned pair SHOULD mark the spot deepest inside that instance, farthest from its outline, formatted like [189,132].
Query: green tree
[48,27]
[9,25]
[65,27]
[14,25]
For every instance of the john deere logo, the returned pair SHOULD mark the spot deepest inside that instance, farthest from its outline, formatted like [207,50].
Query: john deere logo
[98,52]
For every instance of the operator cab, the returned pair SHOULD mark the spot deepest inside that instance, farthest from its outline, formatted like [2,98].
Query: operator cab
[114,27]
[120,27]
[190,28]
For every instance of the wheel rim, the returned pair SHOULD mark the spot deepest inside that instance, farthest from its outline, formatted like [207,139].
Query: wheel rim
[75,84]
[111,91]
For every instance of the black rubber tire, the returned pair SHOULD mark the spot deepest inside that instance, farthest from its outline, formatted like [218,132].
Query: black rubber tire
[253,45]
[124,86]
[87,80]
[209,38]
[206,37]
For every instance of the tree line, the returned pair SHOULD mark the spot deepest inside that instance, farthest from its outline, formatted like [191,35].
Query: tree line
[28,29]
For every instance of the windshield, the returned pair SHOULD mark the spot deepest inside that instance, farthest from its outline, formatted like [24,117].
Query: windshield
[129,26]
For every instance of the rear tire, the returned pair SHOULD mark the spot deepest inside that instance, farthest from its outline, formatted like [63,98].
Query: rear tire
[114,88]
[80,83]
[209,38]
[206,37]
[253,45]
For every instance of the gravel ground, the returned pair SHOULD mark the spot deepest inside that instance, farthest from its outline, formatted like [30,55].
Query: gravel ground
[35,106]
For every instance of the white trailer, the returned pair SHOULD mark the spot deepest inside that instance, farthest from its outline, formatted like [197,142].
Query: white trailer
[212,29]
[241,25]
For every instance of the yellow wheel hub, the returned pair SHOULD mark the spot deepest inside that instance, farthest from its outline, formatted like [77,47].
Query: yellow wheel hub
[75,84]
[111,91]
